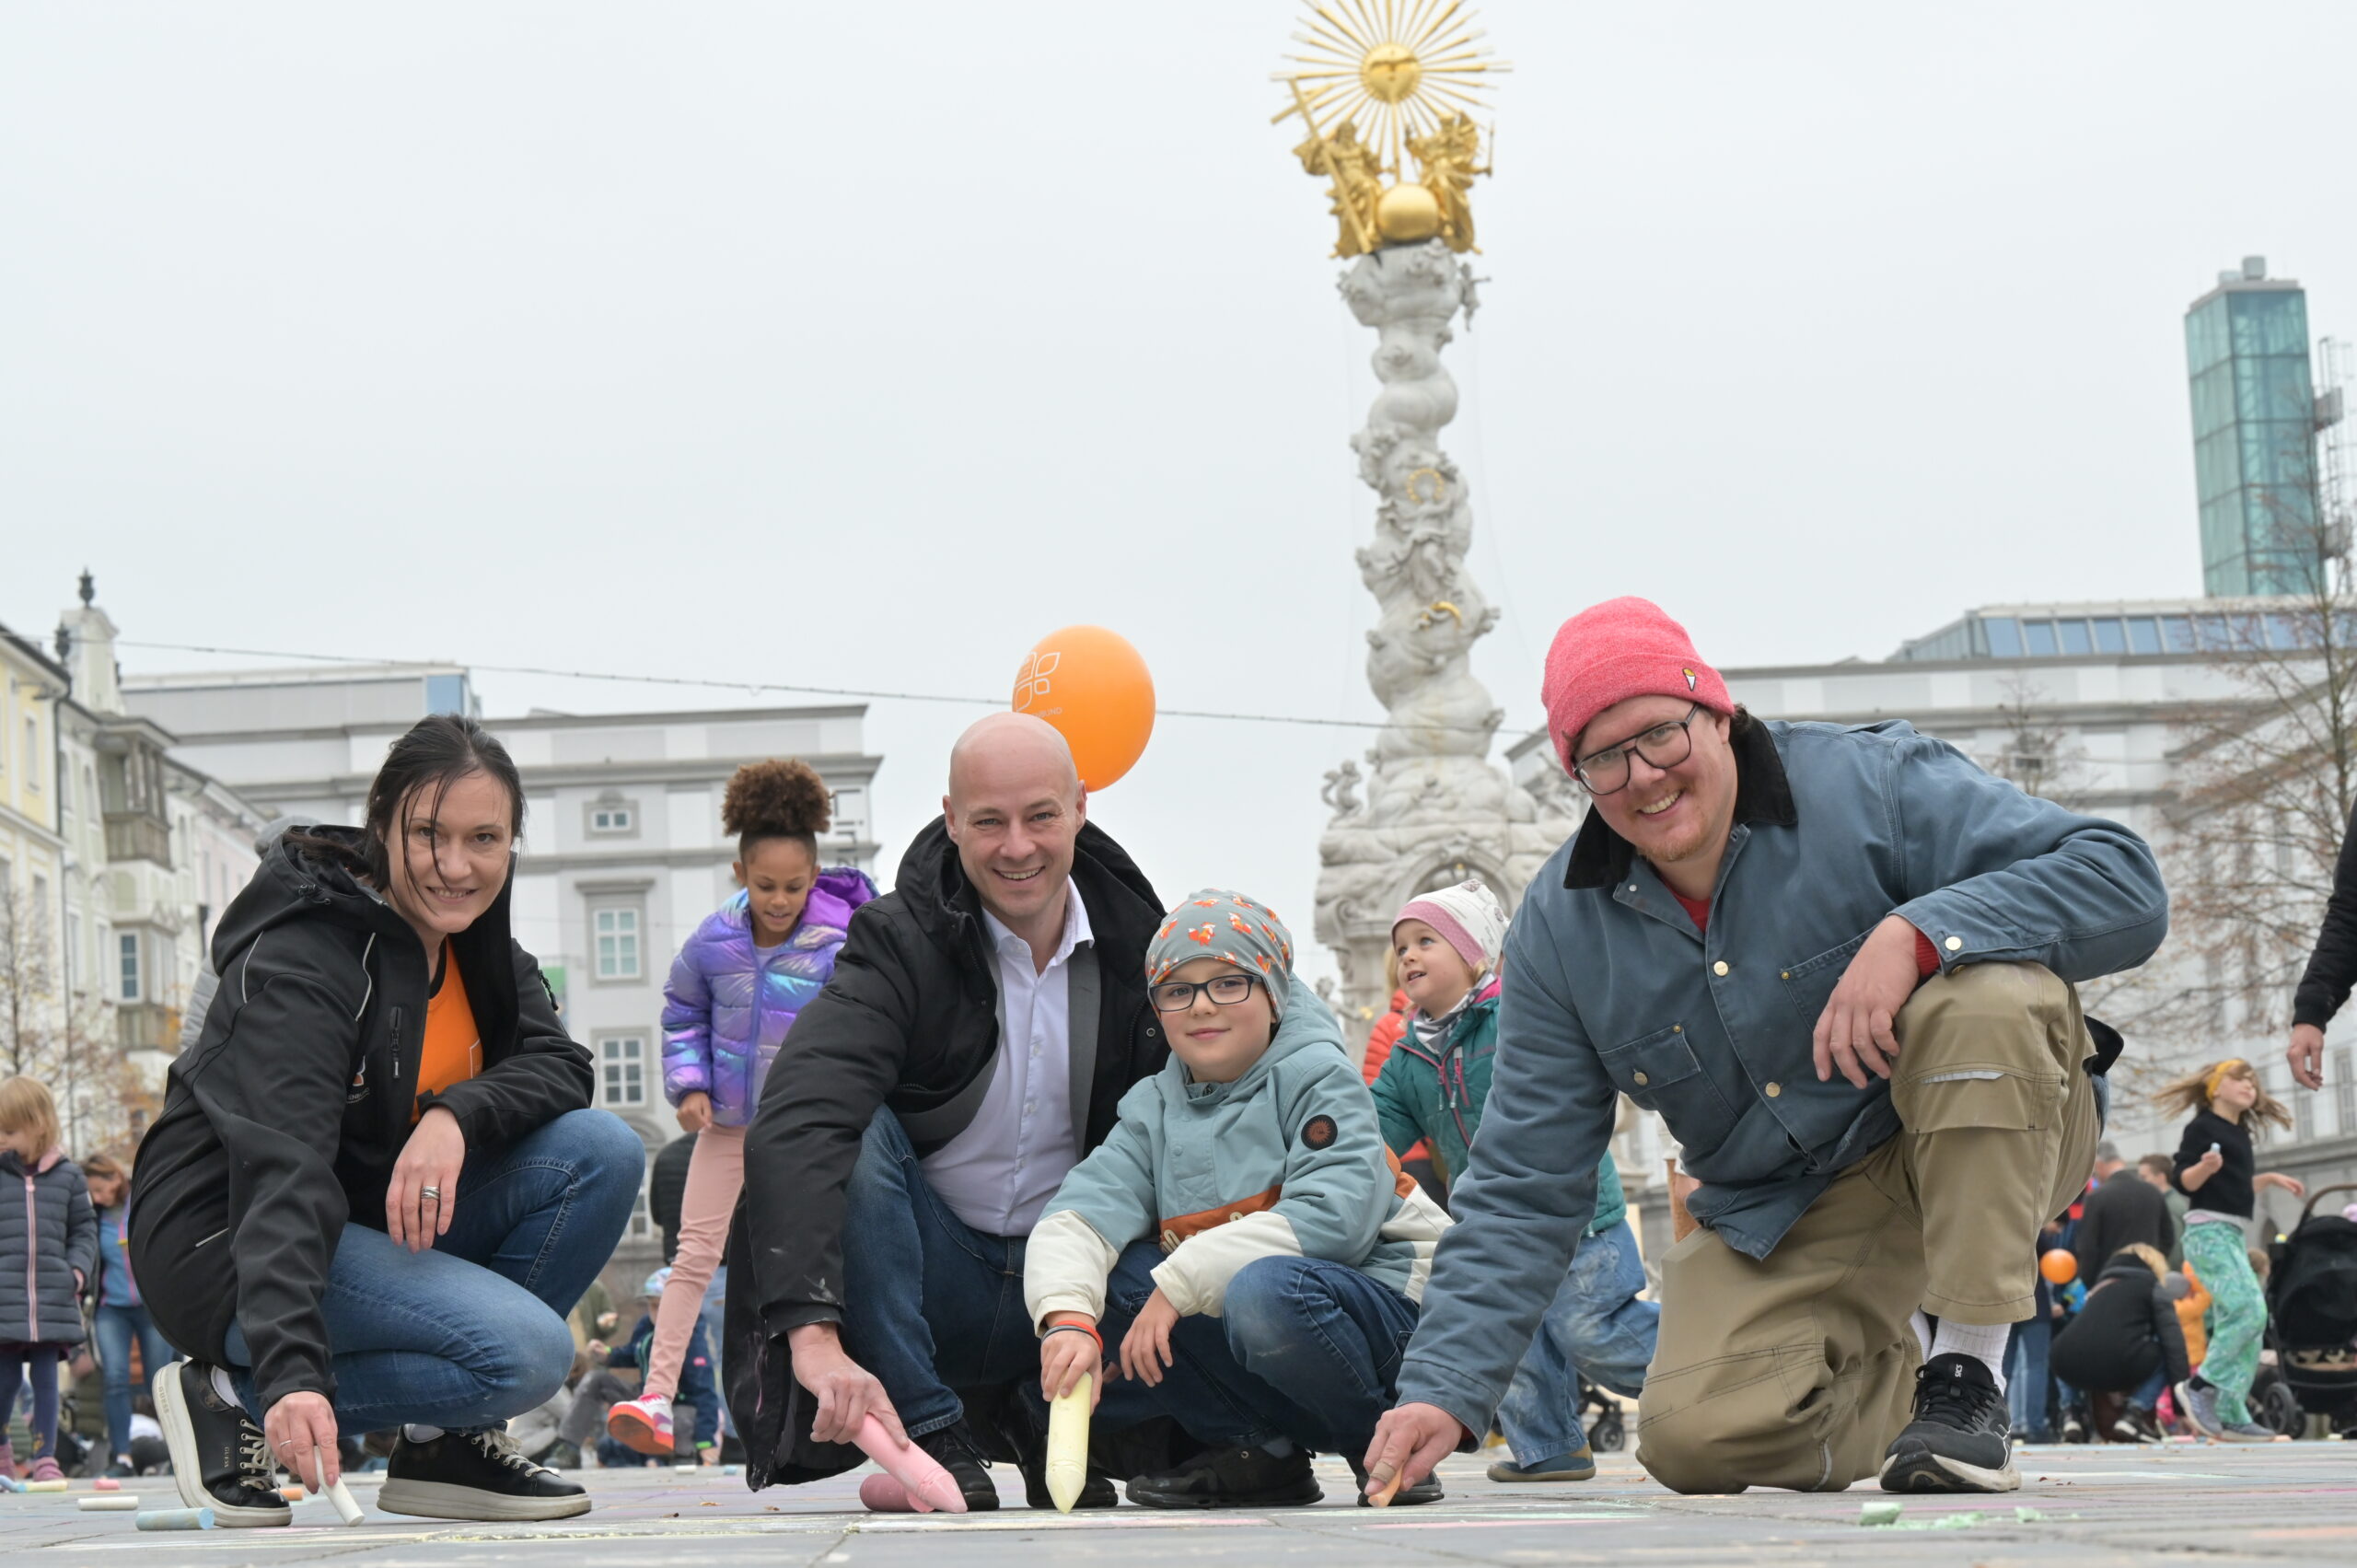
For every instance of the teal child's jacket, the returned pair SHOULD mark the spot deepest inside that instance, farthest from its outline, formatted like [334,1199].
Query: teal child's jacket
[1286,1161]
[1437,1093]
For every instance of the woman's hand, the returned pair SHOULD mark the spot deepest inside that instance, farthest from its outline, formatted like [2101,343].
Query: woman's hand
[2291,1184]
[298,1425]
[424,1191]
[1148,1338]
[695,1111]
[1065,1359]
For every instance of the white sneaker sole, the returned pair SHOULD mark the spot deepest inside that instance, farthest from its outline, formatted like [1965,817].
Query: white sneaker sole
[440,1500]
[188,1471]
[1920,1470]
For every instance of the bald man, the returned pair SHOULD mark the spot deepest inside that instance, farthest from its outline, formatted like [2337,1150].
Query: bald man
[984,1019]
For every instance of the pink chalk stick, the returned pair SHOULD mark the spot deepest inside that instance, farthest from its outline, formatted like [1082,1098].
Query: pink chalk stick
[106,1483]
[882,1494]
[913,1467]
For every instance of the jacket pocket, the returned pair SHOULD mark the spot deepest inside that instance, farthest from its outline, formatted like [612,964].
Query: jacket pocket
[1660,1072]
[1809,983]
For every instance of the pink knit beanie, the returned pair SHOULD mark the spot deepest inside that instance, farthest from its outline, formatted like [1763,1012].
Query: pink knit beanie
[1468,917]
[1611,652]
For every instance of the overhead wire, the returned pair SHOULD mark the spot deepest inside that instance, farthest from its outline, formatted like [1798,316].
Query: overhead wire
[758,687]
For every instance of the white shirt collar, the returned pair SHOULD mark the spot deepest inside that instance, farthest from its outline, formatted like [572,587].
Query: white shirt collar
[1076,930]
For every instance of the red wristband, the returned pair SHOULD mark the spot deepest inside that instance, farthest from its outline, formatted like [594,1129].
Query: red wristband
[1075,1328]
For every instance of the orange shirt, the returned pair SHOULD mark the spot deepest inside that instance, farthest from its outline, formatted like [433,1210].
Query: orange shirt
[453,1047]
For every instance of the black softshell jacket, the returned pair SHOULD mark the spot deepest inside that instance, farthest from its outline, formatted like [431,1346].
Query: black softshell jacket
[283,1123]
[909,1020]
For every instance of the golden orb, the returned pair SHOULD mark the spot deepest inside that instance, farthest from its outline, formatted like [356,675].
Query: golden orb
[1391,71]
[1407,213]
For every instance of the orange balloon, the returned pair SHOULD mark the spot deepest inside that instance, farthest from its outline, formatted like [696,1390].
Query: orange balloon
[2059,1266]
[1090,684]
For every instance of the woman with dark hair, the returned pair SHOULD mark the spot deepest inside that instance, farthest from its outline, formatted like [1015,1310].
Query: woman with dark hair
[377,1188]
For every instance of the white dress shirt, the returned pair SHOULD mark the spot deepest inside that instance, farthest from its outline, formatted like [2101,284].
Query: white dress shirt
[999,1173]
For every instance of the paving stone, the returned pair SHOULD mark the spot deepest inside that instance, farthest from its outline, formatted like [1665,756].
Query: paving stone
[2291,1504]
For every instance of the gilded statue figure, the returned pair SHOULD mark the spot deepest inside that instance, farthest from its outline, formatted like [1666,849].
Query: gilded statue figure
[1356,174]
[1445,166]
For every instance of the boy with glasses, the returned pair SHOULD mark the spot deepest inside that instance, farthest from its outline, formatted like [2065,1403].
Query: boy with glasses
[1840,964]
[1242,1246]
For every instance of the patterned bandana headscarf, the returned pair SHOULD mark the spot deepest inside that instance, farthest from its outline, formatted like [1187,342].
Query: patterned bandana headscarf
[1215,923]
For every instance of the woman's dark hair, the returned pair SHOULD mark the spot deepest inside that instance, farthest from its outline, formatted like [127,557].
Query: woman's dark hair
[437,752]
[776,800]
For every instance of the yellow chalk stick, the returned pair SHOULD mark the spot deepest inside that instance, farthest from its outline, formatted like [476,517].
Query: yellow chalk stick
[1068,1445]
[47,1485]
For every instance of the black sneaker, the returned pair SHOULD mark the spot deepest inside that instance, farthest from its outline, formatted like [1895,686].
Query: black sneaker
[220,1459]
[1957,1441]
[1230,1478]
[1425,1491]
[1096,1492]
[2137,1426]
[475,1475]
[953,1447]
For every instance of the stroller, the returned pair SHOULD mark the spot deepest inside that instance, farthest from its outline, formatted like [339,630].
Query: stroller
[2311,1311]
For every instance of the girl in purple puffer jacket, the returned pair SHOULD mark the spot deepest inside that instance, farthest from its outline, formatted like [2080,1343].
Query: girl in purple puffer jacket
[735,990]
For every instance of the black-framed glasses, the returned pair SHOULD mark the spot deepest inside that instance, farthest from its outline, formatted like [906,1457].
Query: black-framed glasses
[1178,995]
[1664,745]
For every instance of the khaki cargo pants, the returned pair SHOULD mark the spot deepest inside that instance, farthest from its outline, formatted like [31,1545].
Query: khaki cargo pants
[1797,1370]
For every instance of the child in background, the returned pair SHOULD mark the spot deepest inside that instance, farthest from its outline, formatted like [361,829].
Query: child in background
[692,1382]
[1417,1161]
[49,1244]
[121,1317]
[736,988]
[1242,1239]
[1446,947]
[2217,1171]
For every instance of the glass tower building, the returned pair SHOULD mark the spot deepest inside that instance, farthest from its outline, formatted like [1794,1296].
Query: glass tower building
[2254,434]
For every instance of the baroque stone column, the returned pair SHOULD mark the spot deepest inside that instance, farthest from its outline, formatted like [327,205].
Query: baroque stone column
[1435,809]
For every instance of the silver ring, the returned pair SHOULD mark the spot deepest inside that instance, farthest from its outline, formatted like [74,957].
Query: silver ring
[433,1192]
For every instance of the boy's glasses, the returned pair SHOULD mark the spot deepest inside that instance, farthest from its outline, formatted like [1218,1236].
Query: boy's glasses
[1664,745]
[1178,995]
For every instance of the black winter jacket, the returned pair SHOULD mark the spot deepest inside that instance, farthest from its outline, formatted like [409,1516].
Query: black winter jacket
[2333,965]
[2128,1326]
[48,1234]
[909,1020]
[2124,1210]
[283,1122]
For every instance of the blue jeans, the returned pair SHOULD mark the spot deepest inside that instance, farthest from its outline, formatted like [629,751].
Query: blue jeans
[117,1328]
[473,1331]
[1304,1349]
[2146,1395]
[930,1304]
[1596,1325]
[2026,1378]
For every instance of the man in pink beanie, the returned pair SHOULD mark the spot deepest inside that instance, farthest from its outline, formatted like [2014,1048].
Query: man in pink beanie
[1840,965]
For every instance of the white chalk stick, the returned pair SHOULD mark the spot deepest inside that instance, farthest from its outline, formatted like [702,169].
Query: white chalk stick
[345,1508]
[121,1502]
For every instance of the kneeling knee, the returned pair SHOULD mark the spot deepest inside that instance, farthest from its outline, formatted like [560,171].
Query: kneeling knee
[1259,1310]
[540,1359]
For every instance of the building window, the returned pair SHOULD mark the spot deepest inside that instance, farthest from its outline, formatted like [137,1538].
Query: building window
[2344,1092]
[621,1062]
[2039,637]
[2005,635]
[127,946]
[2304,1110]
[2143,634]
[613,819]
[616,928]
[32,752]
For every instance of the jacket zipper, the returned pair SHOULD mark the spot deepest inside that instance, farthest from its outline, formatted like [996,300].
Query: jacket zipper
[32,1264]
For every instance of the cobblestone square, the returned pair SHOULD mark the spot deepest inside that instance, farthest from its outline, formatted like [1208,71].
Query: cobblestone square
[2291,1503]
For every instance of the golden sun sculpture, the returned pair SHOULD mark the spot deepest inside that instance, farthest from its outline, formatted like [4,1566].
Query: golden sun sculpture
[1384,81]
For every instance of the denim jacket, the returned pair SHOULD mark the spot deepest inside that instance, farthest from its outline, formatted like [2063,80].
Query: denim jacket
[1610,990]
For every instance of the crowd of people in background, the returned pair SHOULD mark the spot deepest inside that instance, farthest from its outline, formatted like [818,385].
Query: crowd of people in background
[1017,1127]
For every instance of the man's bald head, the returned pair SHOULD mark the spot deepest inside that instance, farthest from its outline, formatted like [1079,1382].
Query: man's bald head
[1015,808]
[998,743]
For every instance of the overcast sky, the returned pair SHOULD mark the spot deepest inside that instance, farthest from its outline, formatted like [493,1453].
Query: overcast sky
[861,345]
